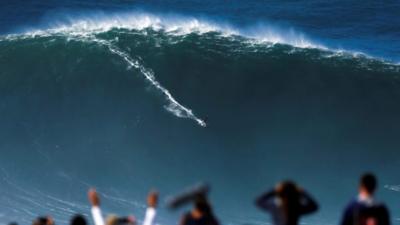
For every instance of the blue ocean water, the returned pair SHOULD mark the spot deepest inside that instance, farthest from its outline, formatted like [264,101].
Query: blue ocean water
[131,95]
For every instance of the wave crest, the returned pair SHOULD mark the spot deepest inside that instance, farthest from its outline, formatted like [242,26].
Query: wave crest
[173,24]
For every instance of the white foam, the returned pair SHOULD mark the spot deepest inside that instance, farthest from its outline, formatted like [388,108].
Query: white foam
[274,35]
[262,33]
[84,29]
[177,25]
[132,21]
[173,105]
[393,187]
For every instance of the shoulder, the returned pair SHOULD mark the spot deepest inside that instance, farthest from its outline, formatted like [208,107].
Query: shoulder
[187,215]
[381,207]
[186,219]
[352,205]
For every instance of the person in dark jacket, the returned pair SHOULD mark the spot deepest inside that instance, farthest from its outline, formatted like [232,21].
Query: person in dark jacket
[78,220]
[287,203]
[365,210]
[201,214]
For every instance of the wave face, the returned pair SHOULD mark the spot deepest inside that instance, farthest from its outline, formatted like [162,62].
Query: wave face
[81,105]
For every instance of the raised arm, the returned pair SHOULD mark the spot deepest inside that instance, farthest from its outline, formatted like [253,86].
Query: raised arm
[308,204]
[96,211]
[152,200]
[184,219]
[266,200]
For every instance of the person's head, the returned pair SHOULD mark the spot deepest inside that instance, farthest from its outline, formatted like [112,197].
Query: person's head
[114,220]
[152,199]
[368,184]
[287,191]
[43,221]
[202,206]
[78,220]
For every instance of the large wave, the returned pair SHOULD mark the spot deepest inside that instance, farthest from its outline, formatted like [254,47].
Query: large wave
[91,28]
[68,92]
[89,23]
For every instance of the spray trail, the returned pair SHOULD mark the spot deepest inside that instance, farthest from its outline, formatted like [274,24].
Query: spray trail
[173,106]
[393,187]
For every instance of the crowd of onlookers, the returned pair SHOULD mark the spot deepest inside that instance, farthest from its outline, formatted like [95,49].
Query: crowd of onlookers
[286,203]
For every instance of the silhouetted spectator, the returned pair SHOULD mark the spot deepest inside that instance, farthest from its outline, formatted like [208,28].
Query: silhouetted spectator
[365,210]
[111,220]
[43,221]
[78,220]
[202,213]
[114,220]
[287,203]
[152,201]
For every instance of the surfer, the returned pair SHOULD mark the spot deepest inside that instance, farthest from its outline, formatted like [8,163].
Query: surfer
[365,210]
[287,203]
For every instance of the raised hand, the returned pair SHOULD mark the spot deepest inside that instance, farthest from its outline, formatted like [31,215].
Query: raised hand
[93,197]
[152,199]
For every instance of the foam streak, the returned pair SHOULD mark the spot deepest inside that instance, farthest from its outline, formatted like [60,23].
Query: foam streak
[173,105]
[393,187]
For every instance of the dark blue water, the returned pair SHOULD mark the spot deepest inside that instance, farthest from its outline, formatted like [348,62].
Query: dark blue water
[130,95]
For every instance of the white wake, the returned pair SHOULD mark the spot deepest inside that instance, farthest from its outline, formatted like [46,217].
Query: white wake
[173,106]
[393,187]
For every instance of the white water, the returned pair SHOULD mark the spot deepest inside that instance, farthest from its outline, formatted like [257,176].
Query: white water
[173,106]
[85,28]
[177,25]
[393,187]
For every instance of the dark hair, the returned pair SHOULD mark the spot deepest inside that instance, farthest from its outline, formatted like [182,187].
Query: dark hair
[201,203]
[78,220]
[288,191]
[40,221]
[290,197]
[368,181]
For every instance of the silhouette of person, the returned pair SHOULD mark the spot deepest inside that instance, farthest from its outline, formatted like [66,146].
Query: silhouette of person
[44,220]
[287,203]
[94,199]
[78,220]
[365,210]
[152,201]
[201,214]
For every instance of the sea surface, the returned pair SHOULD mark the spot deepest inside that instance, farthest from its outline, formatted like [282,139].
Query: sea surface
[128,96]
